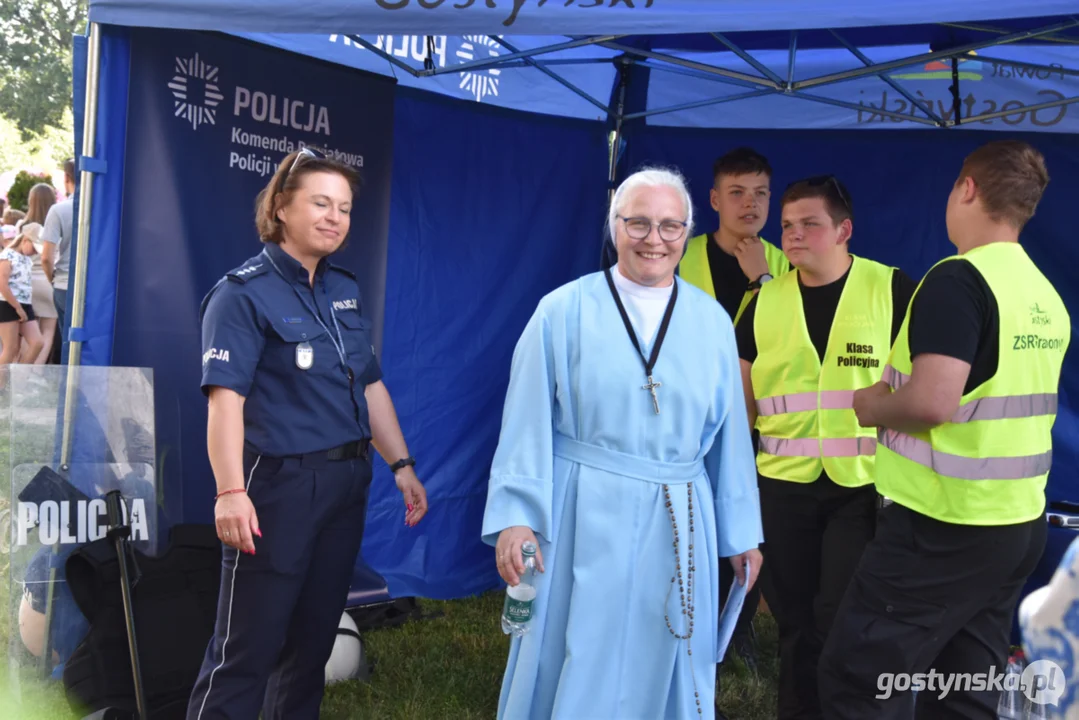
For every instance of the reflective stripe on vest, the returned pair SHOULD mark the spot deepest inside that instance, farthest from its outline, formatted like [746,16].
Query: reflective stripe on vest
[965,468]
[989,408]
[804,402]
[980,409]
[812,447]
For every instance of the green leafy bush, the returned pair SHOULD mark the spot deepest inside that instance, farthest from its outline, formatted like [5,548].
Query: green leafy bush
[19,193]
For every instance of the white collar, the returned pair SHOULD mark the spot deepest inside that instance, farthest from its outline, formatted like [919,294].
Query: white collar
[644,292]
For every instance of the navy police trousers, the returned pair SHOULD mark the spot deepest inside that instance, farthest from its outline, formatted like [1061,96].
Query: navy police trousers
[278,610]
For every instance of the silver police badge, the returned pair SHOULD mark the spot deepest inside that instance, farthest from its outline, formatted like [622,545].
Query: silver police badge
[305,356]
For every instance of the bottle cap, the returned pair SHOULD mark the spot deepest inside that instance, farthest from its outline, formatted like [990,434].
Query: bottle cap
[529,548]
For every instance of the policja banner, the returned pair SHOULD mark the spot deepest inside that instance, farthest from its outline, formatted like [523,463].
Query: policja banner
[209,119]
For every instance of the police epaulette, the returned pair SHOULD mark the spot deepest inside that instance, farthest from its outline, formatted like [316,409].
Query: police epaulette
[342,270]
[250,269]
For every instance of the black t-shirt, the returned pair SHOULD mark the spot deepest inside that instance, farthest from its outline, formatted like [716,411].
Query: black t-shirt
[956,314]
[819,305]
[729,281]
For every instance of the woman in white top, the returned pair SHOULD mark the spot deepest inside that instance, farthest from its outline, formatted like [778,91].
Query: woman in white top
[17,313]
[41,198]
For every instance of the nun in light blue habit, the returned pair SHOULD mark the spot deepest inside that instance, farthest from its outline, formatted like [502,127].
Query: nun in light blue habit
[625,454]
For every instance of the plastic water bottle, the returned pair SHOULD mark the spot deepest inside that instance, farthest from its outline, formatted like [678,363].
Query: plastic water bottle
[520,598]
[1012,705]
[1036,711]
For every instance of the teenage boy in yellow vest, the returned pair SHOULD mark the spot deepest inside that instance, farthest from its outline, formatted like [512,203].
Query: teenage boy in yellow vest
[965,415]
[807,342]
[733,262]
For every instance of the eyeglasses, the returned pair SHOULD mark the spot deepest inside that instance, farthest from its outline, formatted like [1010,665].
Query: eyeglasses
[819,180]
[306,152]
[639,228]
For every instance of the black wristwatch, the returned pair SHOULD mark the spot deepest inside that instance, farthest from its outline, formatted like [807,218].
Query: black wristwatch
[403,463]
[760,281]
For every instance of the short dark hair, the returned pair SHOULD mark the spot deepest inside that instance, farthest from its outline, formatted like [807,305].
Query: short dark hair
[1010,176]
[837,200]
[69,171]
[741,161]
[286,180]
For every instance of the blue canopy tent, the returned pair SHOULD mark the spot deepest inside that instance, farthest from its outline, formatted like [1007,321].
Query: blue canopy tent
[510,121]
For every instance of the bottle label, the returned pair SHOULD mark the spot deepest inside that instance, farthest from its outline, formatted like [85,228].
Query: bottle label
[518,611]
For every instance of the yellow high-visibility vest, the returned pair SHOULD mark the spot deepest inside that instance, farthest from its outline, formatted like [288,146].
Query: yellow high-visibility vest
[804,412]
[988,465]
[696,270]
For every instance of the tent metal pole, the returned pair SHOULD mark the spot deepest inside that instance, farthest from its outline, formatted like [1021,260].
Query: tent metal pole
[1024,109]
[921,104]
[702,103]
[78,298]
[675,69]
[860,108]
[384,55]
[791,54]
[552,63]
[752,61]
[478,64]
[616,138]
[734,75]
[957,100]
[82,250]
[999,31]
[928,57]
[1033,66]
[551,74]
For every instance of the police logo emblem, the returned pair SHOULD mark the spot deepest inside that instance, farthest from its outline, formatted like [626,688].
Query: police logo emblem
[305,356]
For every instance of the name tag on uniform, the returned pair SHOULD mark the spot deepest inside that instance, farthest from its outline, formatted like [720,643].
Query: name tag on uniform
[305,356]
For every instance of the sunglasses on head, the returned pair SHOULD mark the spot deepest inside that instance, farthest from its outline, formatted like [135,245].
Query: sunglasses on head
[821,180]
[306,152]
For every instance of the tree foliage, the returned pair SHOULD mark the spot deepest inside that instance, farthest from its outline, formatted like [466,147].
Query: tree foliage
[41,152]
[18,195]
[35,60]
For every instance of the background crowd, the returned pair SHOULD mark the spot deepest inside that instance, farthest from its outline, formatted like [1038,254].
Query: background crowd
[35,256]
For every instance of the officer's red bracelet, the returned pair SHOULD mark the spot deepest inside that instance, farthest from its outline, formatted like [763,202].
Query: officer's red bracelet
[229,492]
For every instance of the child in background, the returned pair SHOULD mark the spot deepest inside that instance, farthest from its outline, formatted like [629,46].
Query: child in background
[17,314]
[8,225]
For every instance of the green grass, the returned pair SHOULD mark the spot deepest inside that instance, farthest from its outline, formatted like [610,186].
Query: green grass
[30,700]
[449,666]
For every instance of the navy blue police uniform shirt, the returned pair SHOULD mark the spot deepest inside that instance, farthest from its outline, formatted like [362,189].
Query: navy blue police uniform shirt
[253,321]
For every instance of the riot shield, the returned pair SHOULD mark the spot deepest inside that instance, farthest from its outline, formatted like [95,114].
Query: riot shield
[68,437]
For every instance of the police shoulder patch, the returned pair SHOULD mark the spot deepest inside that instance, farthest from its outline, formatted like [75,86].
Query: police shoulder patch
[251,269]
[342,270]
[206,300]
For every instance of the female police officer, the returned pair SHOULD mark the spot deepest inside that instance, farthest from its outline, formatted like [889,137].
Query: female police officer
[295,397]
